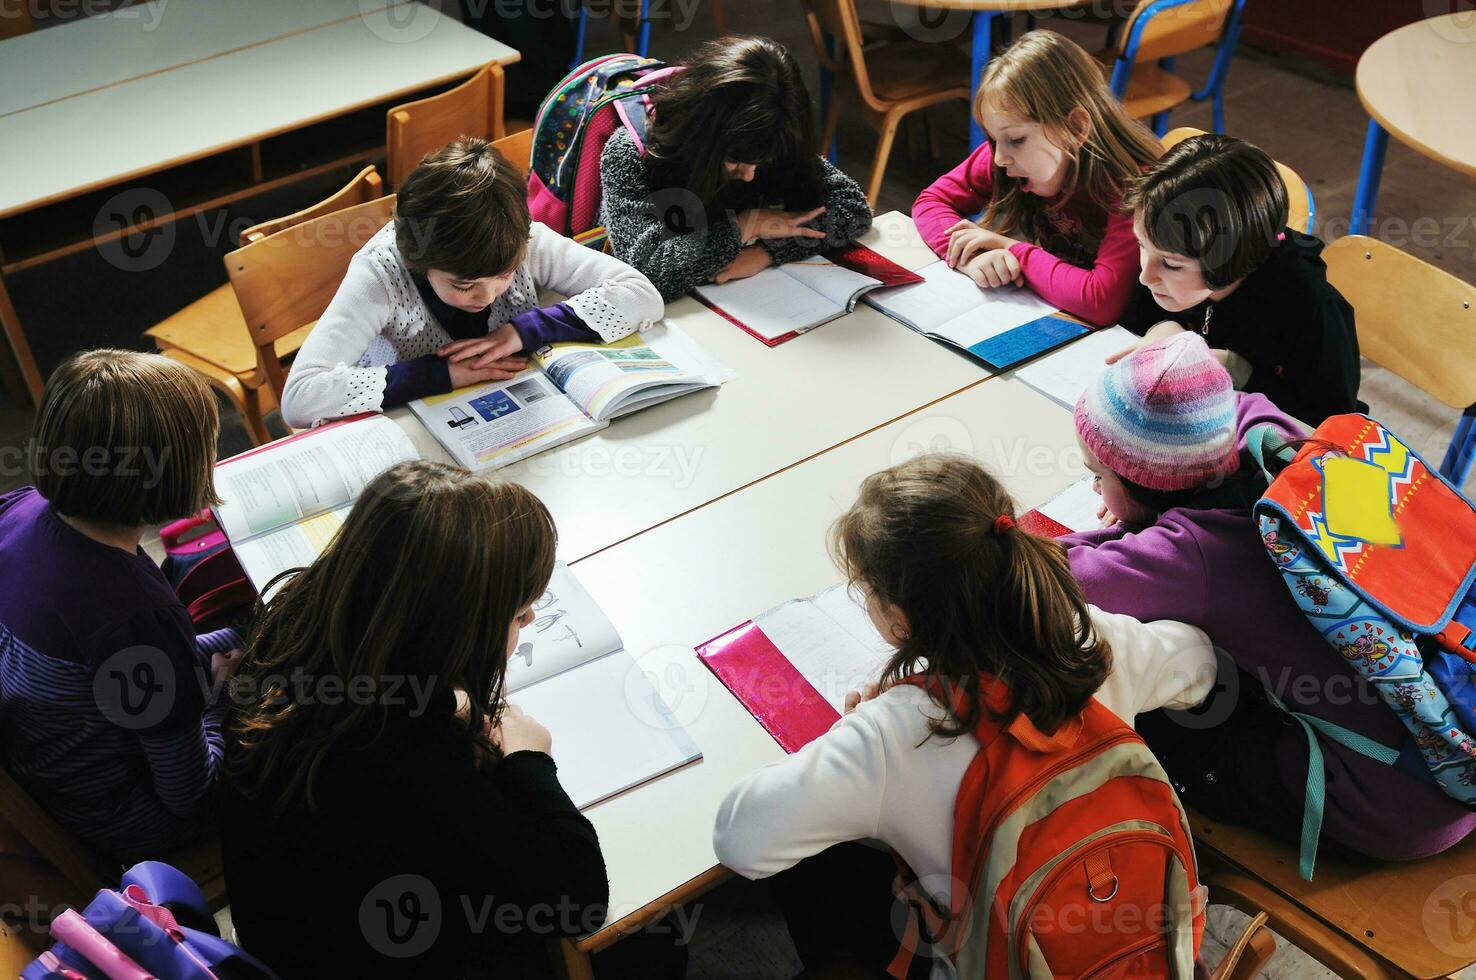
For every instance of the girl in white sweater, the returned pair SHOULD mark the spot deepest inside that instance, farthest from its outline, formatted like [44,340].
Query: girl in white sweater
[446,294]
[959,591]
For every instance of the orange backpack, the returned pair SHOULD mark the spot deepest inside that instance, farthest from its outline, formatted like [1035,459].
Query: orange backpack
[1072,856]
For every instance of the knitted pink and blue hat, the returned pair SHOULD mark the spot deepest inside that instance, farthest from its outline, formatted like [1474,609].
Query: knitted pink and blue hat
[1163,417]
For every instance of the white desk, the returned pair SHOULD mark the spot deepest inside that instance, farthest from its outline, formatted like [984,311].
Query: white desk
[145,38]
[787,404]
[680,584]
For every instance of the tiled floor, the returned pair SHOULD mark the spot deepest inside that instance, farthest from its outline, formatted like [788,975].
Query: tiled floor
[1312,123]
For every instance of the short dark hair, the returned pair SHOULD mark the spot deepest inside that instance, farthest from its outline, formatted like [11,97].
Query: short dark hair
[463,210]
[1215,199]
[126,438]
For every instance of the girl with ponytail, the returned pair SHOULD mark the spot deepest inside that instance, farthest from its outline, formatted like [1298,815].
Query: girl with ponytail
[962,594]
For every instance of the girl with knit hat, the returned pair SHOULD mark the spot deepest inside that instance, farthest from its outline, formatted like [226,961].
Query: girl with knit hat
[1165,435]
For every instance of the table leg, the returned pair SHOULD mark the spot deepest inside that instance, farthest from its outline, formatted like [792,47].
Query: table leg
[573,963]
[983,37]
[29,383]
[1372,171]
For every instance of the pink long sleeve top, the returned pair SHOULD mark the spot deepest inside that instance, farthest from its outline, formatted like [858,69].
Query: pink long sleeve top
[1098,293]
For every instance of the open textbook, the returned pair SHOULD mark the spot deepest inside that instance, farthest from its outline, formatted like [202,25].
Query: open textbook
[786,300]
[1074,509]
[1002,327]
[611,728]
[571,390]
[792,666]
[1064,374]
[281,504]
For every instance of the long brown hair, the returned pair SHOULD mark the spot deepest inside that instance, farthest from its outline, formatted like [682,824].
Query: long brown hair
[1041,78]
[978,596]
[739,99]
[423,581]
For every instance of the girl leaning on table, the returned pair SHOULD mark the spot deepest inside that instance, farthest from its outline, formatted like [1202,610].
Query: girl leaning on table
[403,793]
[1050,179]
[959,592]
[446,294]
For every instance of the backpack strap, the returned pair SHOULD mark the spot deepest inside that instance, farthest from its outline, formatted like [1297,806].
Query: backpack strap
[1267,446]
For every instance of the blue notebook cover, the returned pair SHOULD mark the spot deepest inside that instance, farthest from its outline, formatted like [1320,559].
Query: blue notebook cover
[1015,346]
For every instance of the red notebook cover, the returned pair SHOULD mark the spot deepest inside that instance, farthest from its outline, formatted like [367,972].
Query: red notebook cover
[769,686]
[1042,526]
[857,258]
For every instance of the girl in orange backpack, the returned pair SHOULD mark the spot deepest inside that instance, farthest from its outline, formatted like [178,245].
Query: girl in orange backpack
[989,628]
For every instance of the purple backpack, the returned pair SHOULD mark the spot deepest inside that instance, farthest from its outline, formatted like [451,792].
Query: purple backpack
[135,933]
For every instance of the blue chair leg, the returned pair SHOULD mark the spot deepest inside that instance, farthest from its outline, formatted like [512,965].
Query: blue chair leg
[1219,110]
[643,29]
[1457,464]
[983,35]
[1372,171]
[1161,119]
[579,38]
[827,92]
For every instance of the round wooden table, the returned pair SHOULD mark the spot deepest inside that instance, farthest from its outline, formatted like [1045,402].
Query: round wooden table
[984,14]
[1417,83]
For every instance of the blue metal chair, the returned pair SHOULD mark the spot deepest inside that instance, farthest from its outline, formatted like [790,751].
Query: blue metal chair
[643,29]
[1418,322]
[1160,30]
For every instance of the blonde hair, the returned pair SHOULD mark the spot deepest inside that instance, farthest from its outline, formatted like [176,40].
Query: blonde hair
[1042,78]
[126,438]
[979,594]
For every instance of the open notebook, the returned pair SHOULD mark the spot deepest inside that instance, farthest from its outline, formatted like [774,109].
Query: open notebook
[1064,374]
[1073,509]
[784,301]
[571,390]
[611,729]
[1002,327]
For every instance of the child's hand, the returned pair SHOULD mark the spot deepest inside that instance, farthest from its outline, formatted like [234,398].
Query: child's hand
[868,691]
[966,239]
[463,374]
[223,665]
[518,732]
[768,223]
[482,351]
[1105,516]
[993,269]
[1161,329]
[750,262]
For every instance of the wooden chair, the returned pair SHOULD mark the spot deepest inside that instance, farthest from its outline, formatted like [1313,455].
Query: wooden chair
[85,872]
[1360,918]
[1420,323]
[473,108]
[285,280]
[210,335]
[1159,31]
[518,148]
[890,79]
[15,19]
[1302,207]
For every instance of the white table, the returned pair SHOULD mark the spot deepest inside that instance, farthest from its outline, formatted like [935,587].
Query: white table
[232,101]
[787,404]
[680,584]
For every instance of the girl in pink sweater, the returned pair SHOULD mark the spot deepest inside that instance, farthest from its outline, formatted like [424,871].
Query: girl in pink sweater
[1050,179]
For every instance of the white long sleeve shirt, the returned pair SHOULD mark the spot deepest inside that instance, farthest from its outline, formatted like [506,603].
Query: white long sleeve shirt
[879,775]
[378,318]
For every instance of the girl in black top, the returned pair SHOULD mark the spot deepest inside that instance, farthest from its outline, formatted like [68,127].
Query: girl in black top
[1217,257]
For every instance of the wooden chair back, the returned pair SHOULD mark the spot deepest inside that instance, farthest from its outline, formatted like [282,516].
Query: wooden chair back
[473,108]
[1175,30]
[518,148]
[1298,195]
[1414,319]
[83,871]
[15,18]
[839,19]
[367,185]
[285,280]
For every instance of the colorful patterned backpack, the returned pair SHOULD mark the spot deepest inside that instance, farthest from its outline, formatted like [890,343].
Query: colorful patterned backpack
[574,122]
[1072,857]
[1379,551]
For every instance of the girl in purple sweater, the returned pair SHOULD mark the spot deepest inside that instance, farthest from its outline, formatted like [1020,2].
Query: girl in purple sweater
[1050,179]
[1165,436]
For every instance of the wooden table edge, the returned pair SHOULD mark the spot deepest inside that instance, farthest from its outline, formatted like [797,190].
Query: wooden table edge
[635,921]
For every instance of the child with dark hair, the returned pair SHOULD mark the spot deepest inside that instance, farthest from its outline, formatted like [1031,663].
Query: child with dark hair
[1218,259]
[446,294]
[1165,435]
[980,607]
[731,180]
[108,716]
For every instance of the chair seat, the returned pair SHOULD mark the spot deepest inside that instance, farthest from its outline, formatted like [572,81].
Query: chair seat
[214,331]
[915,70]
[1377,907]
[1151,90]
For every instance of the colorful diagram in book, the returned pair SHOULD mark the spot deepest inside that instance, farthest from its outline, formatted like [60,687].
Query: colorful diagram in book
[500,422]
[611,728]
[610,380]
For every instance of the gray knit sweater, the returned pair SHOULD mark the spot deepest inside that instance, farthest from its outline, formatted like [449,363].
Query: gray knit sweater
[630,212]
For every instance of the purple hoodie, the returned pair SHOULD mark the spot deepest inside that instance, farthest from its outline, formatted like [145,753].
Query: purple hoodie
[1208,568]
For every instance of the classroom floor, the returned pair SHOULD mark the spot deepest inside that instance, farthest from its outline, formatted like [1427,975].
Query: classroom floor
[1312,122]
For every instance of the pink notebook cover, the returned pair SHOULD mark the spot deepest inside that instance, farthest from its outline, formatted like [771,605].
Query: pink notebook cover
[769,686]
